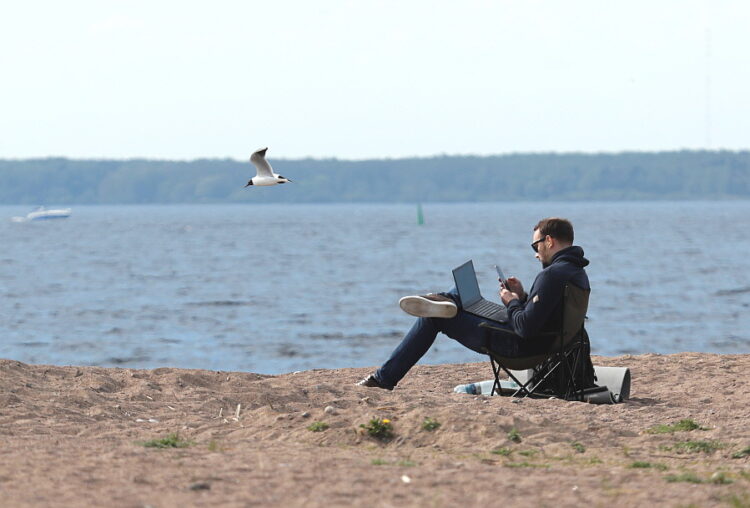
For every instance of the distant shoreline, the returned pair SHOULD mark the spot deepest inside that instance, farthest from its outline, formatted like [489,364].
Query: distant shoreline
[674,175]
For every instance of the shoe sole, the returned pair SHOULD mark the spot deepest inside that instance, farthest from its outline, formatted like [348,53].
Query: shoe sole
[368,383]
[422,307]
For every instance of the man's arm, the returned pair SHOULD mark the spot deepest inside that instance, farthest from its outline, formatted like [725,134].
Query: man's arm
[528,318]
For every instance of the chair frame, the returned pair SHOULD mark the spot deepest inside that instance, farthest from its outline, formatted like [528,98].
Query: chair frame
[567,350]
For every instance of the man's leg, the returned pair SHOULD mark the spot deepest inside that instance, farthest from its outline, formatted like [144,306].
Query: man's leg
[464,328]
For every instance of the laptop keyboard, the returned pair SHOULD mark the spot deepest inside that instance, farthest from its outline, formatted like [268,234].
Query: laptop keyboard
[489,310]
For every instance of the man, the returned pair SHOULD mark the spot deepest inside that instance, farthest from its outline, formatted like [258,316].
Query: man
[529,315]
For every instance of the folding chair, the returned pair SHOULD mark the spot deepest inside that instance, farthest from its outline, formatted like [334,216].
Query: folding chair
[565,369]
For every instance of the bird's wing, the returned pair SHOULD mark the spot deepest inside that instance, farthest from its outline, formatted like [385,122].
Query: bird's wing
[261,164]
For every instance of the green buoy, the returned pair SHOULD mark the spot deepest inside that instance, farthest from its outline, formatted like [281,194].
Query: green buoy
[420,215]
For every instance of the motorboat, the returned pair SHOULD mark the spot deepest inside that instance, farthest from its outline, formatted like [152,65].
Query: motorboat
[42,213]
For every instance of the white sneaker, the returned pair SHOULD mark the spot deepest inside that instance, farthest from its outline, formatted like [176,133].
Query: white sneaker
[431,305]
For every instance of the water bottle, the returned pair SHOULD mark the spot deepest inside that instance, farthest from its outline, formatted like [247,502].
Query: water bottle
[470,388]
[480,388]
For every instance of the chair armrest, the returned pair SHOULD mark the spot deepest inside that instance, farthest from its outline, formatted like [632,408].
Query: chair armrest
[485,324]
[505,331]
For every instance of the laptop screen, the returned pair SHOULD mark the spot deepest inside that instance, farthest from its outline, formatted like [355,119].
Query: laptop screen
[466,284]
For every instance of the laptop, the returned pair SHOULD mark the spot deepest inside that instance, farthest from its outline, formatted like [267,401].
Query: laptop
[471,300]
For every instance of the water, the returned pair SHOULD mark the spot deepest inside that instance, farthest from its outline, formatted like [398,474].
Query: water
[273,289]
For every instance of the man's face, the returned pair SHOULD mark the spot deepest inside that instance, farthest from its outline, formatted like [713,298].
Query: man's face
[542,250]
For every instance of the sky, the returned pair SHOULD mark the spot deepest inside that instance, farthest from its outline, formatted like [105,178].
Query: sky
[365,79]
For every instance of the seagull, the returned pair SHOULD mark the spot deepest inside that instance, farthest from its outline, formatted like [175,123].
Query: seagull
[265,174]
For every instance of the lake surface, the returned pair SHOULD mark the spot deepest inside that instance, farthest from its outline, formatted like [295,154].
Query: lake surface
[279,288]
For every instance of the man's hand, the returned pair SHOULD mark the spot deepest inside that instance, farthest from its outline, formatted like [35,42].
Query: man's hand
[515,286]
[507,296]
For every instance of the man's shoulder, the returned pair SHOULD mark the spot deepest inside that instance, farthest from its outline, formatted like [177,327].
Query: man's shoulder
[561,268]
[564,272]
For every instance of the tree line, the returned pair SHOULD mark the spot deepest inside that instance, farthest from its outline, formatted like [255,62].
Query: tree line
[674,175]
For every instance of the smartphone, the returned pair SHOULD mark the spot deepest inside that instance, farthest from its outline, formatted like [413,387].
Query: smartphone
[502,278]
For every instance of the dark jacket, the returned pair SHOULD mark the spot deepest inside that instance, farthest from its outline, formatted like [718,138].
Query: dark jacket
[542,310]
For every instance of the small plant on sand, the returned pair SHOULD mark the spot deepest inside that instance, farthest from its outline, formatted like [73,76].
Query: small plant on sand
[171,441]
[720,478]
[514,435]
[683,477]
[739,500]
[401,463]
[528,453]
[430,424]
[578,447]
[639,464]
[684,425]
[505,452]
[524,464]
[697,446]
[381,429]
[742,453]
[317,426]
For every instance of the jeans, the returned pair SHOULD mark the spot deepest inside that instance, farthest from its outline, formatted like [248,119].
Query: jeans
[463,327]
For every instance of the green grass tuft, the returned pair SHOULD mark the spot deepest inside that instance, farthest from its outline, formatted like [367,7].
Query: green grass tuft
[578,447]
[720,478]
[683,477]
[524,464]
[402,463]
[505,452]
[685,425]
[318,426]
[697,446]
[738,500]
[639,464]
[380,429]
[742,453]
[514,435]
[429,424]
[171,441]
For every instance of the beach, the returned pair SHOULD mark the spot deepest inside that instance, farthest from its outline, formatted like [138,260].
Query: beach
[92,436]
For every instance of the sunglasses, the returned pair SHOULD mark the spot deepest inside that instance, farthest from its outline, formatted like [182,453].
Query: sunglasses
[535,245]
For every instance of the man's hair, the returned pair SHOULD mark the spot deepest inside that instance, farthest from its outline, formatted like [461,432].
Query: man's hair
[557,228]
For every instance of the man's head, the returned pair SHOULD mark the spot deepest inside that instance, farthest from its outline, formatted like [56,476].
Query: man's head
[551,235]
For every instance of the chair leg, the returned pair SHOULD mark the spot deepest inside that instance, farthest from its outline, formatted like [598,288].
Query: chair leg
[544,377]
[523,387]
[574,389]
[568,382]
[496,371]
[497,389]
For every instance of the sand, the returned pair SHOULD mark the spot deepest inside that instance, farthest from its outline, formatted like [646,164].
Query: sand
[74,436]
